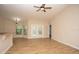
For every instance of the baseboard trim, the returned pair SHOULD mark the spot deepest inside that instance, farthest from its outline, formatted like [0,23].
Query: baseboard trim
[38,38]
[73,46]
[30,38]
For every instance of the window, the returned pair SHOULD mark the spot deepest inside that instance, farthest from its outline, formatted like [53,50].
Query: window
[21,30]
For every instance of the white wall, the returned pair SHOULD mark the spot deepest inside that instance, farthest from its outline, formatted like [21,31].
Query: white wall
[65,26]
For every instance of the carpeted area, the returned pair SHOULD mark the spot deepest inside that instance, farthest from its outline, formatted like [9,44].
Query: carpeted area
[40,46]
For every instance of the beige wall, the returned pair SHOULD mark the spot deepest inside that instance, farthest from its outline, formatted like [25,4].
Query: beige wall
[6,25]
[65,26]
[9,26]
[1,25]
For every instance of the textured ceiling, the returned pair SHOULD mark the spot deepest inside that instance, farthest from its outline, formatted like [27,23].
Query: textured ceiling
[27,11]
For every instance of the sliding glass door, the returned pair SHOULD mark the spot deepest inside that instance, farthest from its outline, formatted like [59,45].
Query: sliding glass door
[37,30]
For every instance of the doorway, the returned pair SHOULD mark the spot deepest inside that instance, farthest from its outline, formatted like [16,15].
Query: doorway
[50,31]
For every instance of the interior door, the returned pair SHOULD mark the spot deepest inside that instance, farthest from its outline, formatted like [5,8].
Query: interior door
[50,31]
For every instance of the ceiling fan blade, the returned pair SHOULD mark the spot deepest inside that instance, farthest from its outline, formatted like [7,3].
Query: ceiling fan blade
[48,7]
[36,6]
[38,9]
[43,5]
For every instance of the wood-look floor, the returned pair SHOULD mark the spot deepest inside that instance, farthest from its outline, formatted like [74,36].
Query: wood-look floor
[40,46]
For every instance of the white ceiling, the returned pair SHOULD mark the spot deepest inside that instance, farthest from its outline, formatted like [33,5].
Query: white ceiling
[27,11]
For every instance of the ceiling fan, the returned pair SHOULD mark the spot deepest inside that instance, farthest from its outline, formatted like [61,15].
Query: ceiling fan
[42,7]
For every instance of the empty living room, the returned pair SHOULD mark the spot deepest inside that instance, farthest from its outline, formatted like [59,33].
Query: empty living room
[39,28]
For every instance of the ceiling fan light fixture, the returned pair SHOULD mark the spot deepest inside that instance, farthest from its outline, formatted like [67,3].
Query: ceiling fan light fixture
[42,7]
